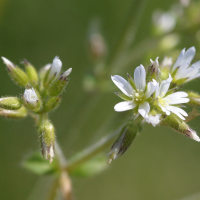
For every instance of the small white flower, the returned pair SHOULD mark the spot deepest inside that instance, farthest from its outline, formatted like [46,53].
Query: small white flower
[31,97]
[55,68]
[137,93]
[182,66]
[165,102]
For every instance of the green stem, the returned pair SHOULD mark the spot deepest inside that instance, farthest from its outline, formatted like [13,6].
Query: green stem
[91,151]
[53,190]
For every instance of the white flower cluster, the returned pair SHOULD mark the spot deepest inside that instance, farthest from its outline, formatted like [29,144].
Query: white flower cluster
[155,98]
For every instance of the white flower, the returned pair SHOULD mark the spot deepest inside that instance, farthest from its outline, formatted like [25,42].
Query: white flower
[182,66]
[165,102]
[31,97]
[136,93]
[55,68]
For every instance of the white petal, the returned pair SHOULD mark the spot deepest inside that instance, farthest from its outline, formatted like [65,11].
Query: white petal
[55,68]
[177,101]
[179,94]
[150,89]
[67,73]
[125,105]
[164,86]
[185,57]
[194,136]
[123,85]
[179,59]
[177,111]
[193,77]
[8,63]
[144,109]
[153,119]
[140,77]
[182,71]
[164,109]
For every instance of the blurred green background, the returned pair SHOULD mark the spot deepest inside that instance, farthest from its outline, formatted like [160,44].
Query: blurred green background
[161,164]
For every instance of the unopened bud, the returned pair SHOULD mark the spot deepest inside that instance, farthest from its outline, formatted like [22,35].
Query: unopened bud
[194,99]
[16,114]
[53,72]
[10,103]
[32,73]
[47,139]
[124,140]
[32,100]
[153,72]
[180,126]
[58,86]
[17,74]
[52,103]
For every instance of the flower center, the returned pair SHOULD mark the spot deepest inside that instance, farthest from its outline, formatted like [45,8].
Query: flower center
[139,95]
[162,101]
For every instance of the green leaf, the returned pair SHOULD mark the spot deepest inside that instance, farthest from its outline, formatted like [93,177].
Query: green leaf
[90,168]
[36,164]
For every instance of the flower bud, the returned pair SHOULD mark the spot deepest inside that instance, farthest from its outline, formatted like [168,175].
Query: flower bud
[10,103]
[17,114]
[47,139]
[194,99]
[180,126]
[53,72]
[52,103]
[124,140]
[58,86]
[18,75]
[32,100]
[153,72]
[32,73]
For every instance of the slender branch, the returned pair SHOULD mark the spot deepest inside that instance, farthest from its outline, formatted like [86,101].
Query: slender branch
[89,152]
[53,190]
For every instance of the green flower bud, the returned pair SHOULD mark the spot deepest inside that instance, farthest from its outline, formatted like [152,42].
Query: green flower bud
[52,103]
[10,103]
[58,86]
[47,139]
[32,73]
[180,126]
[16,114]
[194,99]
[32,100]
[124,140]
[17,74]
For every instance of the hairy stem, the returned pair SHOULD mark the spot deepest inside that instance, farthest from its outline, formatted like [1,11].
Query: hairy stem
[89,152]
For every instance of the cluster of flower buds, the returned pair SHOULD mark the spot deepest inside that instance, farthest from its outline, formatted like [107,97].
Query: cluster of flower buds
[154,98]
[42,94]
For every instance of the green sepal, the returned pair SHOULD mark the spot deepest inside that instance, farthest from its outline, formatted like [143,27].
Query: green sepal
[32,73]
[178,125]
[47,139]
[194,99]
[124,140]
[38,165]
[15,114]
[90,168]
[52,103]
[58,86]
[123,96]
[131,81]
[19,76]
[10,103]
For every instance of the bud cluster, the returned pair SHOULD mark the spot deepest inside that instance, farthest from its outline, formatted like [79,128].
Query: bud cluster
[42,94]
[153,95]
